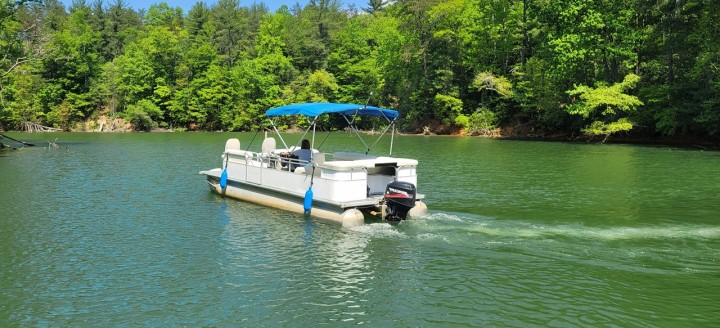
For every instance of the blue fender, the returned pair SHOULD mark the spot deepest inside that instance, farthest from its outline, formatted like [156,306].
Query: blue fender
[223,179]
[307,204]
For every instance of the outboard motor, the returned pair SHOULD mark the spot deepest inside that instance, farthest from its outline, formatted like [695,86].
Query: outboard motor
[399,199]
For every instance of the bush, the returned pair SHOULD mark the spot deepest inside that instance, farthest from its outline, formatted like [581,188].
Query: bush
[462,121]
[447,108]
[140,120]
[482,122]
[63,116]
[141,115]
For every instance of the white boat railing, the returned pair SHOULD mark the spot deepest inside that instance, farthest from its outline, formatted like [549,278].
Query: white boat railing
[264,160]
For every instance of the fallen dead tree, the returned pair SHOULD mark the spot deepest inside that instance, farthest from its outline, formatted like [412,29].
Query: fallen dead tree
[35,127]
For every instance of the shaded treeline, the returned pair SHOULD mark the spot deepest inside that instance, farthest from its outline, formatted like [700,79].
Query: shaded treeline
[554,66]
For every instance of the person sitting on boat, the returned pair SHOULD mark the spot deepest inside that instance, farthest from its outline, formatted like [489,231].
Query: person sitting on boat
[304,153]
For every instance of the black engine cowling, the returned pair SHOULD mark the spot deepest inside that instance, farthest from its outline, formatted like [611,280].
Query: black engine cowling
[399,199]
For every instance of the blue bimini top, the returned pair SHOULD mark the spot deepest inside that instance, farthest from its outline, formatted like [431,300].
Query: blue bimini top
[317,109]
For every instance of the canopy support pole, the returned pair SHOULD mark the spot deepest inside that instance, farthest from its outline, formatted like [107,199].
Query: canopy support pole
[392,123]
[272,122]
[312,145]
[352,126]
[392,138]
[312,125]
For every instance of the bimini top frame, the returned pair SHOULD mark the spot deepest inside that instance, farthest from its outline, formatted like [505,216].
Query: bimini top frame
[315,110]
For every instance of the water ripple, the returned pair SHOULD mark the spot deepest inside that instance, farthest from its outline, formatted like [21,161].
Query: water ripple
[121,231]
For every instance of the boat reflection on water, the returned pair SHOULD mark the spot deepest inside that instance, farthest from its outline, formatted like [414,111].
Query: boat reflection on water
[303,265]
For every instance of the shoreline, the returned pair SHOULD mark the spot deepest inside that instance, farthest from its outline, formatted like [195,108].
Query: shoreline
[648,141]
[659,141]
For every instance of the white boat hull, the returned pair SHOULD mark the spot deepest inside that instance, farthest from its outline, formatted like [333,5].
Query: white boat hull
[341,213]
[347,217]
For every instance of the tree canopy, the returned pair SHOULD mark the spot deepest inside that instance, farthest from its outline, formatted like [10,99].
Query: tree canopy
[562,66]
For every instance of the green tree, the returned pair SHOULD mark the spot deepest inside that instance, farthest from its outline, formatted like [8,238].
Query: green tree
[149,67]
[163,15]
[375,5]
[121,25]
[482,122]
[199,23]
[705,72]
[231,30]
[108,88]
[64,116]
[413,75]
[321,87]
[22,103]
[135,75]
[309,33]
[473,64]
[19,18]
[487,83]
[70,68]
[604,105]
[448,108]
[270,48]
[677,67]
[144,115]
[354,60]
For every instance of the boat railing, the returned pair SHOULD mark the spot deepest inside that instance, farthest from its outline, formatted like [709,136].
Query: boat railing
[282,161]
[339,161]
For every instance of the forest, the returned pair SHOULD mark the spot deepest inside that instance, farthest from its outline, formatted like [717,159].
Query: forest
[567,68]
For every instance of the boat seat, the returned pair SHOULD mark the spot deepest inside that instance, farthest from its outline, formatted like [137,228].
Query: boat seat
[267,153]
[318,158]
[232,143]
[349,156]
[308,170]
[268,145]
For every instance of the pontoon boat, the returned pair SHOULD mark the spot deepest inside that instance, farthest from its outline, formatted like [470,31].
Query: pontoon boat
[344,187]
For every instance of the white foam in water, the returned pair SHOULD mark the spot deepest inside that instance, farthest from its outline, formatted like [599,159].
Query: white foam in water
[384,230]
[682,232]
[436,225]
[520,229]
[444,217]
[431,236]
[515,229]
[508,231]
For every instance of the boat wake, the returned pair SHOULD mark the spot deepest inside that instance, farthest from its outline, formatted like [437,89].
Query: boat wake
[441,226]
[660,249]
[525,229]
[379,230]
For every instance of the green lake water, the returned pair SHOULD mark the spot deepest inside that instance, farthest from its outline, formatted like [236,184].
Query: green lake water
[120,230]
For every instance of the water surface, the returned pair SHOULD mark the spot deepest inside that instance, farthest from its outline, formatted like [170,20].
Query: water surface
[120,230]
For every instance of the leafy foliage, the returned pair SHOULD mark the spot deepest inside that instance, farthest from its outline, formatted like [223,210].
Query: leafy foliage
[606,102]
[63,115]
[611,99]
[143,115]
[447,107]
[594,66]
[482,122]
